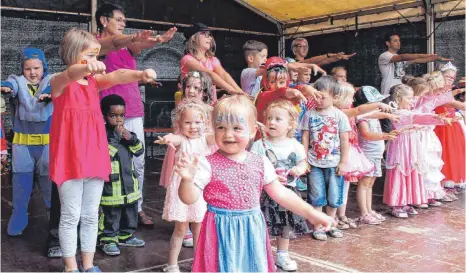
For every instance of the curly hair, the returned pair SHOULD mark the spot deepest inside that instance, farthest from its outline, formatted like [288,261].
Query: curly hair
[292,112]
[203,109]
[206,84]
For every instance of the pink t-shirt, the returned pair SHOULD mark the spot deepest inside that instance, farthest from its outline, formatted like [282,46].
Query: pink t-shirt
[122,59]
[211,63]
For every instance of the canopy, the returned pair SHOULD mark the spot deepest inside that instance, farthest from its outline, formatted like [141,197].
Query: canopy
[314,17]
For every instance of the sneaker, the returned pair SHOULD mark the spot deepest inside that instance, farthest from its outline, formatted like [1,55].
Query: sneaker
[286,263]
[368,219]
[378,216]
[410,210]
[93,269]
[399,213]
[54,252]
[300,186]
[434,203]
[171,268]
[133,241]
[188,240]
[111,249]
[422,206]
[452,196]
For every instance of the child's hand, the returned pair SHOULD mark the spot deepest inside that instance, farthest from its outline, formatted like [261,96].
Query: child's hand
[96,67]
[394,118]
[296,171]
[342,169]
[165,141]
[385,108]
[295,94]
[319,218]
[123,132]
[186,168]
[5,89]
[149,76]
[310,91]
[389,136]
[43,97]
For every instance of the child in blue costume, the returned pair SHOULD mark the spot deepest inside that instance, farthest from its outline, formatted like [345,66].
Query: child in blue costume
[31,125]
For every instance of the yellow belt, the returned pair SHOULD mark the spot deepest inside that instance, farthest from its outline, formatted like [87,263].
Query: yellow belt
[31,139]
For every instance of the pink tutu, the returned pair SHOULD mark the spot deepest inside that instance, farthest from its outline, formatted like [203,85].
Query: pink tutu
[359,164]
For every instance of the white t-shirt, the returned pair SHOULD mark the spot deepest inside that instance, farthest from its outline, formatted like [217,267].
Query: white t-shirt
[250,83]
[391,72]
[288,152]
[204,172]
[324,136]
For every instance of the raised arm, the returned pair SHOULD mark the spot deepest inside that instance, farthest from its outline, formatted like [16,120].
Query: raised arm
[429,59]
[136,48]
[227,78]
[122,76]
[74,73]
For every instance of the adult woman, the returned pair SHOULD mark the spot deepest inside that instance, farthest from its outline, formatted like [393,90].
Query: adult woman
[300,48]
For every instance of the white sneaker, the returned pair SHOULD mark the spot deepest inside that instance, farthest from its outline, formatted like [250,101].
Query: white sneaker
[286,263]
[172,268]
[188,241]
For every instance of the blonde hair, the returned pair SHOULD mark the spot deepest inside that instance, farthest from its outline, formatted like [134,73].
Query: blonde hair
[292,112]
[419,85]
[296,42]
[335,69]
[345,98]
[74,42]
[397,93]
[203,109]
[435,80]
[235,105]
[193,43]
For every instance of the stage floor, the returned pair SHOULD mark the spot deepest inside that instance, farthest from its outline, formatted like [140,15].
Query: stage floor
[432,241]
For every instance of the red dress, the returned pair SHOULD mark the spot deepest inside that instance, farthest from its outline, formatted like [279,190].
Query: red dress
[78,141]
[452,139]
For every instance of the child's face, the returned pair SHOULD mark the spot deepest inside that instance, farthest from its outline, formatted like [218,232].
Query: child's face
[258,59]
[232,134]
[33,70]
[293,76]
[274,82]
[192,124]
[340,75]
[115,116]
[449,76]
[205,40]
[304,77]
[326,101]
[193,89]
[90,54]
[278,122]
[406,102]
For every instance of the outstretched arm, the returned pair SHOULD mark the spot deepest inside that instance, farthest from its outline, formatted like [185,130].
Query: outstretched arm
[122,76]
[366,108]
[227,78]
[119,41]
[429,59]
[168,139]
[368,135]
[136,48]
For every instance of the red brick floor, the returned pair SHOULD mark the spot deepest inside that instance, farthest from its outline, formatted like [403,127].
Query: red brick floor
[433,241]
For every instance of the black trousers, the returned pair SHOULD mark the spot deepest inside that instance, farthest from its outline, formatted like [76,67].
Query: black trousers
[118,223]
[54,221]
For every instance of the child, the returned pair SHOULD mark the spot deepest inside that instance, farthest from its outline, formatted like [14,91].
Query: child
[200,56]
[404,184]
[289,160]
[191,125]
[119,218]
[429,95]
[326,141]
[360,165]
[304,76]
[371,142]
[79,154]
[233,236]
[255,53]
[31,126]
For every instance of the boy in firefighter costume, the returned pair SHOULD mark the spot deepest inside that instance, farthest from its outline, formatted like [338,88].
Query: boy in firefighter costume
[31,126]
[119,204]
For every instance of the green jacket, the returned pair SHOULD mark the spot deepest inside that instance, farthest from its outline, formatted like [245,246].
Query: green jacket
[123,186]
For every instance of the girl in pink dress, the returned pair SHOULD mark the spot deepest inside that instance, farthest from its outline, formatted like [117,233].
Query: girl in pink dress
[200,56]
[79,155]
[405,162]
[234,234]
[192,121]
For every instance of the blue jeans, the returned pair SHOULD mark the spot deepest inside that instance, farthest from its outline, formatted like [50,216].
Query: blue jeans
[325,187]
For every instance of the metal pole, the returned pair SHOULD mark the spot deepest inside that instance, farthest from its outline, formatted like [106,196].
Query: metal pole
[281,41]
[93,20]
[430,24]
